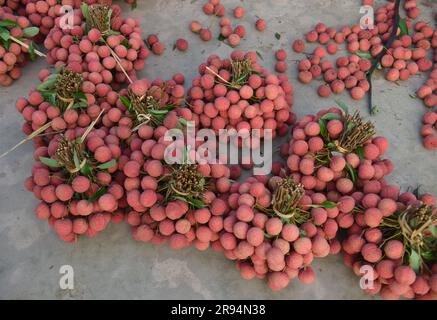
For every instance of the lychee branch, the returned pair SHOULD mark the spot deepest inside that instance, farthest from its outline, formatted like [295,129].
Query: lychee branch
[376,62]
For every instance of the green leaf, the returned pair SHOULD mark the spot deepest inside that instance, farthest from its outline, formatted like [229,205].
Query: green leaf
[331,116]
[86,14]
[364,55]
[50,97]
[259,55]
[125,43]
[328,204]
[403,26]
[80,105]
[343,106]
[157,111]
[32,53]
[5,34]
[415,261]
[80,96]
[8,23]
[267,236]
[350,126]
[183,122]
[278,36]
[352,172]
[82,101]
[86,170]
[416,192]
[50,162]
[429,255]
[195,203]
[113,33]
[134,5]
[125,101]
[221,37]
[323,129]
[30,32]
[49,83]
[98,194]
[324,204]
[76,159]
[360,152]
[107,165]
[59,69]
[302,233]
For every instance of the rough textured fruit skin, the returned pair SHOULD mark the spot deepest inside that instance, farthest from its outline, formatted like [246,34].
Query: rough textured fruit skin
[218,106]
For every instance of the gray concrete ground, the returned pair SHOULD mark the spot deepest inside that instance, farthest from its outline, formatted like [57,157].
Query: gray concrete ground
[115,266]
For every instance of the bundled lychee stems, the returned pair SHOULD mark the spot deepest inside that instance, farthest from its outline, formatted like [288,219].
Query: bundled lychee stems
[412,226]
[71,155]
[187,181]
[100,17]
[62,88]
[355,134]
[286,200]
[147,109]
[241,71]
[67,85]
[415,223]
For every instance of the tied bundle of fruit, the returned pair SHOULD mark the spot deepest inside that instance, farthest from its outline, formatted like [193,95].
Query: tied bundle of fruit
[238,94]
[171,201]
[43,13]
[73,180]
[336,152]
[107,49]
[180,203]
[152,103]
[58,104]
[395,236]
[16,46]
[275,229]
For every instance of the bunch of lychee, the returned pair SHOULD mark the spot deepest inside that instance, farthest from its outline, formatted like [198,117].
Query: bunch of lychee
[107,49]
[169,202]
[76,156]
[394,236]
[13,55]
[275,229]
[237,93]
[335,152]
[73,181]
